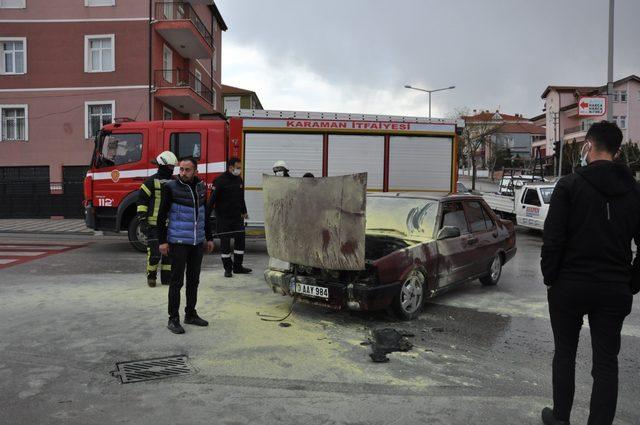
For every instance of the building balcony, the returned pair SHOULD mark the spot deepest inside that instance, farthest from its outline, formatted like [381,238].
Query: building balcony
[179,24]
[183,91]
[577,132]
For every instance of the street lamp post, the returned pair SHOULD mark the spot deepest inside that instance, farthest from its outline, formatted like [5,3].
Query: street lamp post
[429,91]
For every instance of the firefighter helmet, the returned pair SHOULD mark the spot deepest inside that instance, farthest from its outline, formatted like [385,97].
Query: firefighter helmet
[280,166]
[166,158]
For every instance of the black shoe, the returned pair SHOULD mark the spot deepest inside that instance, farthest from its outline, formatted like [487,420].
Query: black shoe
[194,319]
[151,281]
[549,419]
[175,327]
[227,273]
[242,270]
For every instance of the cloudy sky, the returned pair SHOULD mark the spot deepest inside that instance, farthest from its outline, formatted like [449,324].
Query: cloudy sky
[356,55]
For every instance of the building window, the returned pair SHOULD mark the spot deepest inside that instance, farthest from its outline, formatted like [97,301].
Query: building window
[623,96]
[622,121]
[616,96]
[99,53]
[98,114]
[13,4]
[214,96]
[13,122]
[14,56]
[214,60]
[167,114]
[167,63]
[198,82]
[94,3]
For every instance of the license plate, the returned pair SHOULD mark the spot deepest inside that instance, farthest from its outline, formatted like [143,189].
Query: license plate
[312,291]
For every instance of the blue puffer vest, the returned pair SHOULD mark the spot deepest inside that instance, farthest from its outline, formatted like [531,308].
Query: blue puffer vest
[184,228]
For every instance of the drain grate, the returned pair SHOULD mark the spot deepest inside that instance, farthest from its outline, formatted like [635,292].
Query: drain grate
[146,370]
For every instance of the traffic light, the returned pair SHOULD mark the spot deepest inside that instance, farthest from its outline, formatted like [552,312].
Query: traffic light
[556,149]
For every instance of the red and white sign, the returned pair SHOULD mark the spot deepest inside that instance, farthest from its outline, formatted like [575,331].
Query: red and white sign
[592,106]
[337,125]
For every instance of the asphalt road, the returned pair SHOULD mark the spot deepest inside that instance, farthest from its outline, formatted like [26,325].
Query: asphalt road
[481,355]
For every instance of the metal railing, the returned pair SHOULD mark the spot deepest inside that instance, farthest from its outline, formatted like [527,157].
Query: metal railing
[575,129]
[182,78]
[172,11]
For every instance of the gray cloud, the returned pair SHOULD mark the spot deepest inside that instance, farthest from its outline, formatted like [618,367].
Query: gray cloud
[497,53]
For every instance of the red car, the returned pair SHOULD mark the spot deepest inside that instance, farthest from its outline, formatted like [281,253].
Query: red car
[416,246]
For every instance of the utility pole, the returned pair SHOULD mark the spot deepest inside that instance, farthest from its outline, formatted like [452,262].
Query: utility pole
[610,65]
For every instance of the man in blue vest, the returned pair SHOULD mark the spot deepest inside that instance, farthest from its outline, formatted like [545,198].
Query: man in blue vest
[184,232]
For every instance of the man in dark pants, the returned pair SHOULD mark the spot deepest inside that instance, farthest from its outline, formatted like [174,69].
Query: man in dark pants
[184,233]
[149,199]
[227,199]
[587,267]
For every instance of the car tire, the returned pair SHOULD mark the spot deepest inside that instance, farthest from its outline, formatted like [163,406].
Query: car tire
[493,274]
[137,239]
[408,302]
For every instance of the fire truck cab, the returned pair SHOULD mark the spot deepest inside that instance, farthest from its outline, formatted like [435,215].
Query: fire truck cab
[122,162]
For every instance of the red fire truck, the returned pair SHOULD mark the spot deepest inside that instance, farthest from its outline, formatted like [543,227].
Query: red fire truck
[399,154]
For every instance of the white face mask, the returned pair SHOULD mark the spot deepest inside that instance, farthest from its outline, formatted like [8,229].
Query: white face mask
[236,171]
[585,152]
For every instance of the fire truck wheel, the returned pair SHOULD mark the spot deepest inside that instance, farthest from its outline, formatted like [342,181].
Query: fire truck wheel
[136,237]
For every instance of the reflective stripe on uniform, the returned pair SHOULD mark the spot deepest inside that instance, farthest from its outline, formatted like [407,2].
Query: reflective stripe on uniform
[150,267]
[142,208]
[166,267]
[225,255]
[146,189]
[157,185]
[238,252]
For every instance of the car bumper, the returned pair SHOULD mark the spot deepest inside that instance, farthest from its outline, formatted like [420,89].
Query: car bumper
[353,296]
[509,254]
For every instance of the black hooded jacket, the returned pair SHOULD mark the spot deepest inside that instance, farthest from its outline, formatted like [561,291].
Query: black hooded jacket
[593,216]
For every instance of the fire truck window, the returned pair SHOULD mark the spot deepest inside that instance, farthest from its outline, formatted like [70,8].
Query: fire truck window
[185,145]
[120,149]
[531,198]
[453,215]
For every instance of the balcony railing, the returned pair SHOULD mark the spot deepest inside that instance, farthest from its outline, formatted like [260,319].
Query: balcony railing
[575,129]
[172,11]
[182,78]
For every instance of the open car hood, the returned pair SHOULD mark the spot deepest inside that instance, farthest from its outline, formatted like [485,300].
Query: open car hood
[317,222]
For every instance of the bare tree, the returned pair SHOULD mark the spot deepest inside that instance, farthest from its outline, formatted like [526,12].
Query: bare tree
[475,136]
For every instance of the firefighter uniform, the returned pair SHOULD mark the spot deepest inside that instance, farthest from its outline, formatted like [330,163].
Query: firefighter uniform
[227,200]
[149,198]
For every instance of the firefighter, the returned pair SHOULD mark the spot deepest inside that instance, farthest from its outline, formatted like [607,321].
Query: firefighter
[149,197]
[280,167]
[227,200]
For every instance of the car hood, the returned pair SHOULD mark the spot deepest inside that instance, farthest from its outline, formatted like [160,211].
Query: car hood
[317,222]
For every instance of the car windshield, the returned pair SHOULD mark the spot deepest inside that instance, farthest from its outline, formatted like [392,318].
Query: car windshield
[117,149]
[546,193]
[402,216]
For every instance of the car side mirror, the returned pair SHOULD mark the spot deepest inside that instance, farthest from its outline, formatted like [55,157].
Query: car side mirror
[448,232]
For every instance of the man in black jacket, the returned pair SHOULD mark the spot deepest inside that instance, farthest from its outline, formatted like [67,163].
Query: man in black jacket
[587,267]
[227,199]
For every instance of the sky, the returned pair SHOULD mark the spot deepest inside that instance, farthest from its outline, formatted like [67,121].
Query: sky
[357,55]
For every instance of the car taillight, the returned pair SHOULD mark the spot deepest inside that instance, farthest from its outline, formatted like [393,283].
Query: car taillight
[88,188]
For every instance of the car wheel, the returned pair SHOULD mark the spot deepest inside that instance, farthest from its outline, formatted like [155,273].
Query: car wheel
[136,237]
[494,273]
[410,298]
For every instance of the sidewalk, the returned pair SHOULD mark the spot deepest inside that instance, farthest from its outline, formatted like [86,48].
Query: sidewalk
[45,226]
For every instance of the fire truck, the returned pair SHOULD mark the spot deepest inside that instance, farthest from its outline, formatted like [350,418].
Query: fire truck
[400,154]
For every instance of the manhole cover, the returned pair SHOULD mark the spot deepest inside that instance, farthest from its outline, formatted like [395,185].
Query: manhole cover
[146,370]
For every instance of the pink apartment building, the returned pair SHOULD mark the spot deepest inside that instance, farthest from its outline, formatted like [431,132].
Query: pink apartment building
[561,118]
[68,67]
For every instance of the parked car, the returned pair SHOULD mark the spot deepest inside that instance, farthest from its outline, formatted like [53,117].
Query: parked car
[416,246]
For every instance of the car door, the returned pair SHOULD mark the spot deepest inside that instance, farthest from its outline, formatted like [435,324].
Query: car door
[453,253]
[483,240]
[529,213]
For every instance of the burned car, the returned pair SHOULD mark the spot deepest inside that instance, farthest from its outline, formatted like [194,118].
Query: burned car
[416,246]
